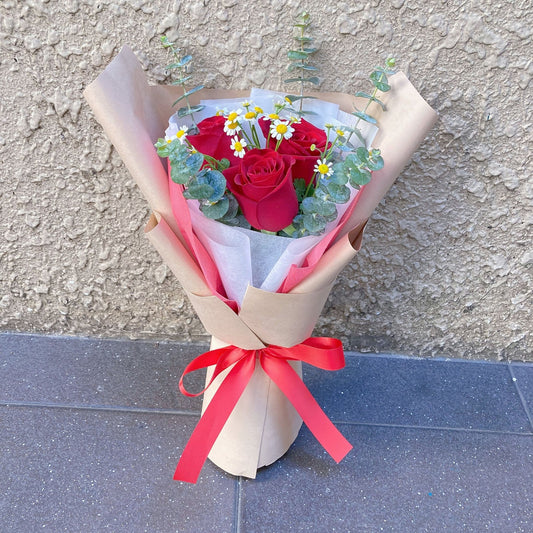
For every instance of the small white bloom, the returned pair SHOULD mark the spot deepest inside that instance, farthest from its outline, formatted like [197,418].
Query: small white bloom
[250,116]
[173,132]
[281,129]
[231,127]
[234,115]
[323,167]
[238,146]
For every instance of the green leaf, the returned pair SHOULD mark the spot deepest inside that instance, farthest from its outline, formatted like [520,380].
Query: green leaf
[365,117]
[370,97]
[362,154]
[379,80]
[163,149]
[313,79]
[216,210]
[297,54]
[188,93]
[340,194]
[359,177]
[172,66]
[231,214]
[184,111]
[300,65]
[314,224]
[300,187]
[179,173]
[304,39]
[181,81]
[339,176]
[216,181]
[310,50]
[194,163]
[295,98]
[184,60]
[198,191]
[325,209]
[375,161]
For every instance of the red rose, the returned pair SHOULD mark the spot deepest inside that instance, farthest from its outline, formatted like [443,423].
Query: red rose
[263,186]
[299,146]
[212,140]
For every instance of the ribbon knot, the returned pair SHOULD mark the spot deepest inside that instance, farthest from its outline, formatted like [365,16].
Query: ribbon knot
[322,352]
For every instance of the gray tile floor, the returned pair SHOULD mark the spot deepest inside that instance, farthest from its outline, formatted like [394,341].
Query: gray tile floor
[91,430]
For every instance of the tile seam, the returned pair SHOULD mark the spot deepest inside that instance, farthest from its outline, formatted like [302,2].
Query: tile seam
[434,428]
[114,408]
[520,395]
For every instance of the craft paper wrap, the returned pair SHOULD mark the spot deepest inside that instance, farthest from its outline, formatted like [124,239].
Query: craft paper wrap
[133,114]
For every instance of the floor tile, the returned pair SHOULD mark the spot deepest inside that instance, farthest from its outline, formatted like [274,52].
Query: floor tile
[93,471]
[420,392]
[396,480]
[96,372]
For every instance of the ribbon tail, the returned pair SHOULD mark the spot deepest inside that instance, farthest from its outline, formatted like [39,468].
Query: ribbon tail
[303,401]
[212,421]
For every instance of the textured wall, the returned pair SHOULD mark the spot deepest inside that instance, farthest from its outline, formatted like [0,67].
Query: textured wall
[447,264]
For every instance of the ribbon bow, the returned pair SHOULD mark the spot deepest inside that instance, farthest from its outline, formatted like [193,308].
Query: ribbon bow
[322,352]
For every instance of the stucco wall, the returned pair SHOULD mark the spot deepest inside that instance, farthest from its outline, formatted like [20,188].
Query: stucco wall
[446,267]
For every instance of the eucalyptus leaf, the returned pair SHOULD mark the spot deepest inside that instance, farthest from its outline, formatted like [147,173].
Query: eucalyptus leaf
[375,161]
[216,181]
[313,79]
[371,98]
[194,162]
[181,81]
[216,210]
[231,214]
[184,60]
[314,224]
[198,191]
[359,177]
[295,98]
[179,173]
[363,116]
[303,66]
[184,111]
[188,93]
[340,194]
[297,54]
[362,154]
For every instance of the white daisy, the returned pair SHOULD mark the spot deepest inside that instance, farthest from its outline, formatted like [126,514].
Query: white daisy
[280,129]
[323,167]
[231,127]
[238,146]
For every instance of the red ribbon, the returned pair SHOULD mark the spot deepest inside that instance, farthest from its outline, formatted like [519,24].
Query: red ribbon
[322,352]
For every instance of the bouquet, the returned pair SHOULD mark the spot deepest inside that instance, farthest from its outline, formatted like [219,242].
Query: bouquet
[256,210]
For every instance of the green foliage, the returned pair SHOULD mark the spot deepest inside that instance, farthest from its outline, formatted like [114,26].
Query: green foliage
[299,61]
[379,79]
[181,65]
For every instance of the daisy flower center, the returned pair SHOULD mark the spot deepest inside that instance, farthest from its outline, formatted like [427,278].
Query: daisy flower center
[250,115]
[232,116]
[281,128]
